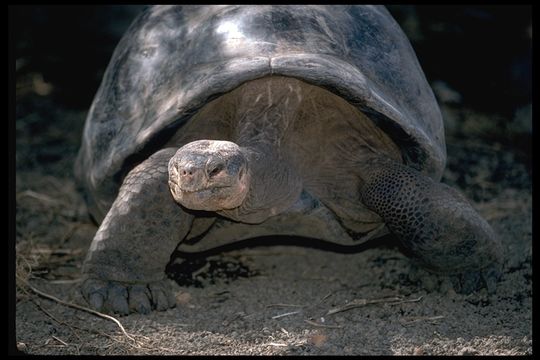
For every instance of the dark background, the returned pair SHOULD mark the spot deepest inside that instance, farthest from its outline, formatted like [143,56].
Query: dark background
[477,58]
[483,52]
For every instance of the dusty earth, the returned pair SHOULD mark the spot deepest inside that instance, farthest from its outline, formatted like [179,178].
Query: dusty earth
[271,299]
[267,299]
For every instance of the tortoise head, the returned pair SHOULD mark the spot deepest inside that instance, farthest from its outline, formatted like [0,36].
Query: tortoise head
[209,175]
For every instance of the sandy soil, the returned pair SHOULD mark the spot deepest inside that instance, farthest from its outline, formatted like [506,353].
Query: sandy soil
[268,299]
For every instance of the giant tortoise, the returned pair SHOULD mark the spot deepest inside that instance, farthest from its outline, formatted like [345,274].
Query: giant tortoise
[215,124]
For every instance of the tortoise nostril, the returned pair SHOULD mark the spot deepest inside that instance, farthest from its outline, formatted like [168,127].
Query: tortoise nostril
[186,171]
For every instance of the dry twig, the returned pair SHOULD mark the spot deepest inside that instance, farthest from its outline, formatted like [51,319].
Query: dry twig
[60,341]
[78,307]
[363,302]
[286,314]
[38,196]
[283,305]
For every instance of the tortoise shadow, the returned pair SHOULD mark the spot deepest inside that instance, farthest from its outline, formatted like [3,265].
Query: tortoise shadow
[184,264]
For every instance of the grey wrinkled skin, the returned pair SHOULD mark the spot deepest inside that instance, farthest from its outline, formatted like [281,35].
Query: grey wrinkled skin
[312,121]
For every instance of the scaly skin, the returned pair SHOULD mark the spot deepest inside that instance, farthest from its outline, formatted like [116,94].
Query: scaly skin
[435,222]
[124,268]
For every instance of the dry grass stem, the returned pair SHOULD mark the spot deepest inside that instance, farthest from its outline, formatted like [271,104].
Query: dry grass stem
[286,314]
[363,302]
[60,341]
[38,196]
[65,281]
[283,305]
[78,307]
[275,344]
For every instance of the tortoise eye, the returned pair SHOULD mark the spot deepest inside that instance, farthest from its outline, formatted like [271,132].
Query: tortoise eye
[216,170]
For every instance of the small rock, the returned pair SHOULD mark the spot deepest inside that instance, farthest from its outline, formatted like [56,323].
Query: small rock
[318,339]
[183,298]
[429,282]
[446,286]
[22,347]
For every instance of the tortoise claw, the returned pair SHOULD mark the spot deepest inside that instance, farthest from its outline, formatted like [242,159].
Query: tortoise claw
[160,298]
[139,299]
[472,281]
[119,298]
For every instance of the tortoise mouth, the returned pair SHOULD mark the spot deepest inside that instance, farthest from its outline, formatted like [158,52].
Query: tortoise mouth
[209,198]
[200,190]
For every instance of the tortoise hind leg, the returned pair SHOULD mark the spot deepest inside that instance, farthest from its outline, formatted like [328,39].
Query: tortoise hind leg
[434,222]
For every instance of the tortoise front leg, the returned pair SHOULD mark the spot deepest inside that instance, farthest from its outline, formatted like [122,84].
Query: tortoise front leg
[125,266]
[435,222]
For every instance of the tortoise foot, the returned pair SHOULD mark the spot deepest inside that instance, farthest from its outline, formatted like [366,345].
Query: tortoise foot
[122,298]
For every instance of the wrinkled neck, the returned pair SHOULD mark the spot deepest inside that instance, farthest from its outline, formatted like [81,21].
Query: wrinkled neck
[264,111]
[263,114]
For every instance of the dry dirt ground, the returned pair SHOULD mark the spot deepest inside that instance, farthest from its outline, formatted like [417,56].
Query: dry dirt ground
[266,299]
